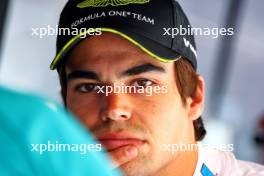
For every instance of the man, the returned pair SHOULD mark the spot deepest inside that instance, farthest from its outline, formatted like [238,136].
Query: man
[34,133]
[130,45]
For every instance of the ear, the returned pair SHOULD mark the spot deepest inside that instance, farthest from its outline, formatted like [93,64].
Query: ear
[196,103]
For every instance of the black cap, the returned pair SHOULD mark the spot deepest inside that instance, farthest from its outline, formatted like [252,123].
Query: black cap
[142,22]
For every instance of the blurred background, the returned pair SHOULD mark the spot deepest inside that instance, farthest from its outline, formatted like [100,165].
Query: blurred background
[233,67]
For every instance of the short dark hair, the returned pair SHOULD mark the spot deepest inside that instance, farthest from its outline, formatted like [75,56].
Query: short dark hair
[186,81]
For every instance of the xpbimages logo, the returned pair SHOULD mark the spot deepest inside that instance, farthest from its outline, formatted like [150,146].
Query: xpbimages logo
[104,3]
[148,90]
[202,31]
[55,31]
[59,147]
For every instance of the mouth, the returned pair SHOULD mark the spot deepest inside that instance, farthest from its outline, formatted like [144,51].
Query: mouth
[112,141]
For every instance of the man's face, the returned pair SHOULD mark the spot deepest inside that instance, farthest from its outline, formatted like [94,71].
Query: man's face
[120,119]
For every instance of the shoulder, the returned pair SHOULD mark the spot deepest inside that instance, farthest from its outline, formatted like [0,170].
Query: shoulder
[226,164]
[16,107]
[29,120]
[20,111]
[15,101]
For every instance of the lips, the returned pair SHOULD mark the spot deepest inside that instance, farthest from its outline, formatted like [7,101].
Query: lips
[113,141]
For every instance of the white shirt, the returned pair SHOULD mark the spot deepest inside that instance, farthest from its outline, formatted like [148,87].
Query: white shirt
[212,162]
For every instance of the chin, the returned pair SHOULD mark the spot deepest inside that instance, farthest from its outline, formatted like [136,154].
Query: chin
[136,168]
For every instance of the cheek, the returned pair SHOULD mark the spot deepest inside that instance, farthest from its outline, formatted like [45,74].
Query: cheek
[166,118]
[84,108]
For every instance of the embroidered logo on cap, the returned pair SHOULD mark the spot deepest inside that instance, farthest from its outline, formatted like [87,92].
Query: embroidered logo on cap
[104,3]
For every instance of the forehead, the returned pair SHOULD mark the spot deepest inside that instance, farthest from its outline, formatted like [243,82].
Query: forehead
[107,50]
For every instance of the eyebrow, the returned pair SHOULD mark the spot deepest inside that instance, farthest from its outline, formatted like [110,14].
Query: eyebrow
[83,74]
[143,69]
[130,72]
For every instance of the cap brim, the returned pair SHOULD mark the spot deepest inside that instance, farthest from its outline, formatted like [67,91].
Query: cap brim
[149,46]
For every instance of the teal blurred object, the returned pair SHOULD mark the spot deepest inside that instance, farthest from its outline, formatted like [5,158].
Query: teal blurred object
[26,120]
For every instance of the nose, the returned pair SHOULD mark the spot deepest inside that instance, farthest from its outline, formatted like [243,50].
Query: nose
[116,107]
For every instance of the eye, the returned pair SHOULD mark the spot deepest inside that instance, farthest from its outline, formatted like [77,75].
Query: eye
[143,83]
[86,88]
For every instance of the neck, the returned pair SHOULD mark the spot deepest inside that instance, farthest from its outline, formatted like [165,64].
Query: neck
[184,164]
